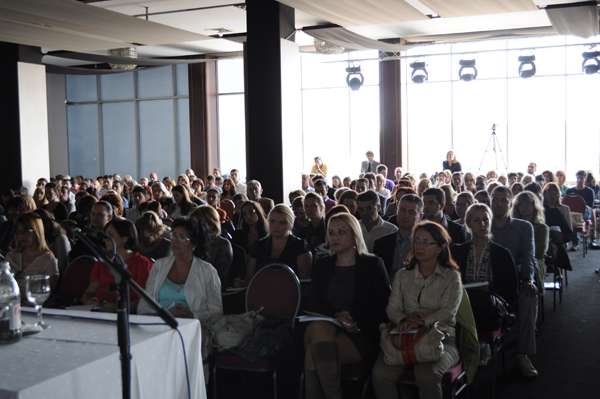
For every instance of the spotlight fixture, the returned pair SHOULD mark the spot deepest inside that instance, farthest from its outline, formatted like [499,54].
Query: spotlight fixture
[355,79]
[467,71]
[527,67]
[419,73]
[591,64]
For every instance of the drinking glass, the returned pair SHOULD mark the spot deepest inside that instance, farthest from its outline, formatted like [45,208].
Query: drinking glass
[38,290]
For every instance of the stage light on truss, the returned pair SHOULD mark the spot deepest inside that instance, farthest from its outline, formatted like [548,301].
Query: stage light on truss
[467,71]
[591,64]
[527,67]
[419,73]
[354,79]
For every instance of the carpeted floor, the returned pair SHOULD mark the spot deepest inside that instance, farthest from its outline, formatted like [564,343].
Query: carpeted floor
[568,345]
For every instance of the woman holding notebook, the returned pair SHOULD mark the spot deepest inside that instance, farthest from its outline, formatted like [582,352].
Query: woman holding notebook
[351,286]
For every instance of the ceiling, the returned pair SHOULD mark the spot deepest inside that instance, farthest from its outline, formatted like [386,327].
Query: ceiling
[177,28]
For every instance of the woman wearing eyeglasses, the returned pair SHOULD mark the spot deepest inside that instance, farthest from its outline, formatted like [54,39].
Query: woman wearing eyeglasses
[31,256]
[428,290]
[186,285]
[280,246]
[125,237]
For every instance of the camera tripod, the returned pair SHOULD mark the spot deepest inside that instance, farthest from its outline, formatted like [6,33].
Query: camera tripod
[496,148]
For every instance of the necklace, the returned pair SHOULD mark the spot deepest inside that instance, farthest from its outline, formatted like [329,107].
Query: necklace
[177,275]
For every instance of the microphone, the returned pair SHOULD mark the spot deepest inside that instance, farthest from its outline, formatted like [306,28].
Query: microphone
[90,232]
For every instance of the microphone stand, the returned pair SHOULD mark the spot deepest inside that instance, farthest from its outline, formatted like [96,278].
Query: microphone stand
[123,280]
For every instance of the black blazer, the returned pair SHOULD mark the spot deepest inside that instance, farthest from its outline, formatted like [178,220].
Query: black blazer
[385,248]
[455,167]
[371,293]
[506,280]
[456,232]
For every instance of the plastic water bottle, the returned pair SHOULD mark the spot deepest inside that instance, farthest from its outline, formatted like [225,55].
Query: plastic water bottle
[10,306]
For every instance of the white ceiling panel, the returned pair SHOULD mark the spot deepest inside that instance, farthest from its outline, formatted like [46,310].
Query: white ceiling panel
[33,35]
[71,16]
[464,8]
[231,18]
[442,26]
[358,12]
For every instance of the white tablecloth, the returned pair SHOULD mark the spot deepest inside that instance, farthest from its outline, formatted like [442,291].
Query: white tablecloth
[79,358]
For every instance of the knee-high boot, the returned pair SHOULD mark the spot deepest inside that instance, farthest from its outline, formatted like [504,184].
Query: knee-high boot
[328,368]
[312,385]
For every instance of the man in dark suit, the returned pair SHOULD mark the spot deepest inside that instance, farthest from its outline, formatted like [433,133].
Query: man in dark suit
[434,201]
[254,192]
[369,165]
[395,247]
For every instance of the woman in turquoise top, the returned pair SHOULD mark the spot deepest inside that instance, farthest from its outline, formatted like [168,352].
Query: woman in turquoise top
[186,285]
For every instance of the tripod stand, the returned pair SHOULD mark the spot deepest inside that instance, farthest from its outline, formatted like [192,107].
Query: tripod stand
[495,144]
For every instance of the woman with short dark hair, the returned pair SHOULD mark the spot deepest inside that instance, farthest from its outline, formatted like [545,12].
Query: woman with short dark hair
[124,235]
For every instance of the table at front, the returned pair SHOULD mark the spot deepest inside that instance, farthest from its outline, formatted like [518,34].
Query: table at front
[78,357]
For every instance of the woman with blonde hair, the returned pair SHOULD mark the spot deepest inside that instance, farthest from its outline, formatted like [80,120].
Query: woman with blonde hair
[31,256]
[151,242]
[469,179]
[183,179]
[280,246]
[451,163]
[220,252]
[352,287]
[561,180]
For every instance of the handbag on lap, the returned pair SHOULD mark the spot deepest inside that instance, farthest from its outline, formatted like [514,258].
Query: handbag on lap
[423,346]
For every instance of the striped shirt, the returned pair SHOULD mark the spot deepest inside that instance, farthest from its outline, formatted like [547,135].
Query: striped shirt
[436,297]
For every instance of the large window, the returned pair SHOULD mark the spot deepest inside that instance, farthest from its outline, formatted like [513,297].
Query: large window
[232,116]
[548,119]
[131,123]
[338,124]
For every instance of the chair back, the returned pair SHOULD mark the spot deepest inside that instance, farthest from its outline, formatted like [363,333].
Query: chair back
[228,206]
[276,288]
[76,278]
[574,202]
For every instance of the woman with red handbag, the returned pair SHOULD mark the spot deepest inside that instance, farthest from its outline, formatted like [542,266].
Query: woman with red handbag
[427,291]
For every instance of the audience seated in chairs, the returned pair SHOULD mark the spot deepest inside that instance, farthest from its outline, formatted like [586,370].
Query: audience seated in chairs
[254,192]
[392,208]
[56,239]
[350,200]
[371,224]
[458,183]
[351,286]
[449,209]
[424,184]
[162,195]
[588,196]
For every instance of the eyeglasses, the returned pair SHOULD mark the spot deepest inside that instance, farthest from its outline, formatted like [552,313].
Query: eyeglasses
[248,213]
[181,239]
[22,233]
[425,243]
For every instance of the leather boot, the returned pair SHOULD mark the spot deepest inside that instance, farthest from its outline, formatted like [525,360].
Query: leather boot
[328,368]
[312,385]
